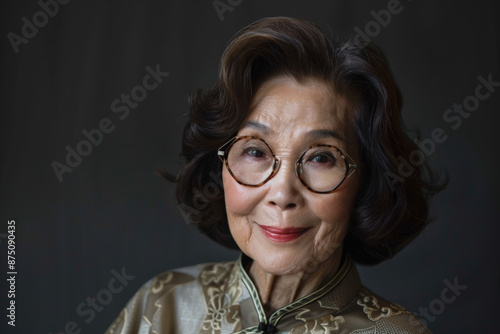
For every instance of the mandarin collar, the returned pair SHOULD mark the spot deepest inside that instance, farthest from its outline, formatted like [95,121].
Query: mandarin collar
[269,325]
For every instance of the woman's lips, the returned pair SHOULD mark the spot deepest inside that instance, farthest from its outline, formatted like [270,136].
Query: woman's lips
[282,234]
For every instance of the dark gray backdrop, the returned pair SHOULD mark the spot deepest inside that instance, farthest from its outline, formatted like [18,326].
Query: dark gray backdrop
[113,213]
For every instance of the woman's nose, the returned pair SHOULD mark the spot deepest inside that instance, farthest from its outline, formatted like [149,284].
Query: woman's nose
[285,188]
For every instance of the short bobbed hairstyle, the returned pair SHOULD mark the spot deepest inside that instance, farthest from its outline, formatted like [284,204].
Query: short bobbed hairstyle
[390,209]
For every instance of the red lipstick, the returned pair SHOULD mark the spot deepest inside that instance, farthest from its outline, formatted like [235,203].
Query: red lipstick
[282,234]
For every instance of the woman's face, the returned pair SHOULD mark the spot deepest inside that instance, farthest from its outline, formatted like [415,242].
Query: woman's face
[284,227]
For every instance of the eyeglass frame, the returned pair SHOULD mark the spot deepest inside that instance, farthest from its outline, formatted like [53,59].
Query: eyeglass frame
[223,151]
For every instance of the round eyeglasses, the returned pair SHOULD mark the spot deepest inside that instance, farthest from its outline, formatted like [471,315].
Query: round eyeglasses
[251,162]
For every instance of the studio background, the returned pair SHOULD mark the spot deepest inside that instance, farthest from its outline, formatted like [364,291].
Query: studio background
[113,213]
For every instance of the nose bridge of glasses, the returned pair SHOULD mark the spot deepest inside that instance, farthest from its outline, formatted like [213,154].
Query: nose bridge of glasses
[289,162]
[292,158]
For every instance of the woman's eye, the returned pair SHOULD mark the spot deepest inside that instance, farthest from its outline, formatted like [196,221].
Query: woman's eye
[322,158]
[255,153]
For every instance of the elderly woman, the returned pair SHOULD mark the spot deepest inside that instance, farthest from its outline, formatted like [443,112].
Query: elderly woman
[292,158]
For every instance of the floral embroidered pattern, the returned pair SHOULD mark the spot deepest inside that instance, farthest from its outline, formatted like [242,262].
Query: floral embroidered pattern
[214,273]
[326,325]
[375,311]
[222,299]
[160,282]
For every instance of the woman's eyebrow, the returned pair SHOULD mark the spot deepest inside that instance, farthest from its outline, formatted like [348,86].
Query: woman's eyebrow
[313,134]
[322,133]
[258,126]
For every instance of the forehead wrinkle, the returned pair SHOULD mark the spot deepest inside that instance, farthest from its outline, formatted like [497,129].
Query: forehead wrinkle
[278,113]
[324,133]
[307,134]
[257,126]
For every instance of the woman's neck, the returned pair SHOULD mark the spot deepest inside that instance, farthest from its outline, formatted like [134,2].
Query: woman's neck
[277,291]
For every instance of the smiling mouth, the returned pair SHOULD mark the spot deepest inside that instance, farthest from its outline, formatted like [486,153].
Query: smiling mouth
[283,234]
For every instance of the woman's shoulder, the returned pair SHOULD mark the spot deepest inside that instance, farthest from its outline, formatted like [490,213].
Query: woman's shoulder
[385,316]
[171,290]
[350,307]
[200,274]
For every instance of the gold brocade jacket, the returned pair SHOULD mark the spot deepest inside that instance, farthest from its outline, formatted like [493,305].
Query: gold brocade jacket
[220,298]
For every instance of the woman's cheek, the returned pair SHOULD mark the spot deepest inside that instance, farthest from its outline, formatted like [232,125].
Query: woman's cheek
[334,208]
[240,200]
[334,213]
[239,206]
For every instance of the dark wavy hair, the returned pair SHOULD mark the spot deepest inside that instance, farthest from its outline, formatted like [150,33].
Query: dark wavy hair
[390,210]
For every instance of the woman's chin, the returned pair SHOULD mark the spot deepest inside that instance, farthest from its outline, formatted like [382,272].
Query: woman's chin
[299,258]
[283,263]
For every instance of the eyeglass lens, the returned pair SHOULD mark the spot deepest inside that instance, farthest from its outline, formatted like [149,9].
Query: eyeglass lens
[251,162]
